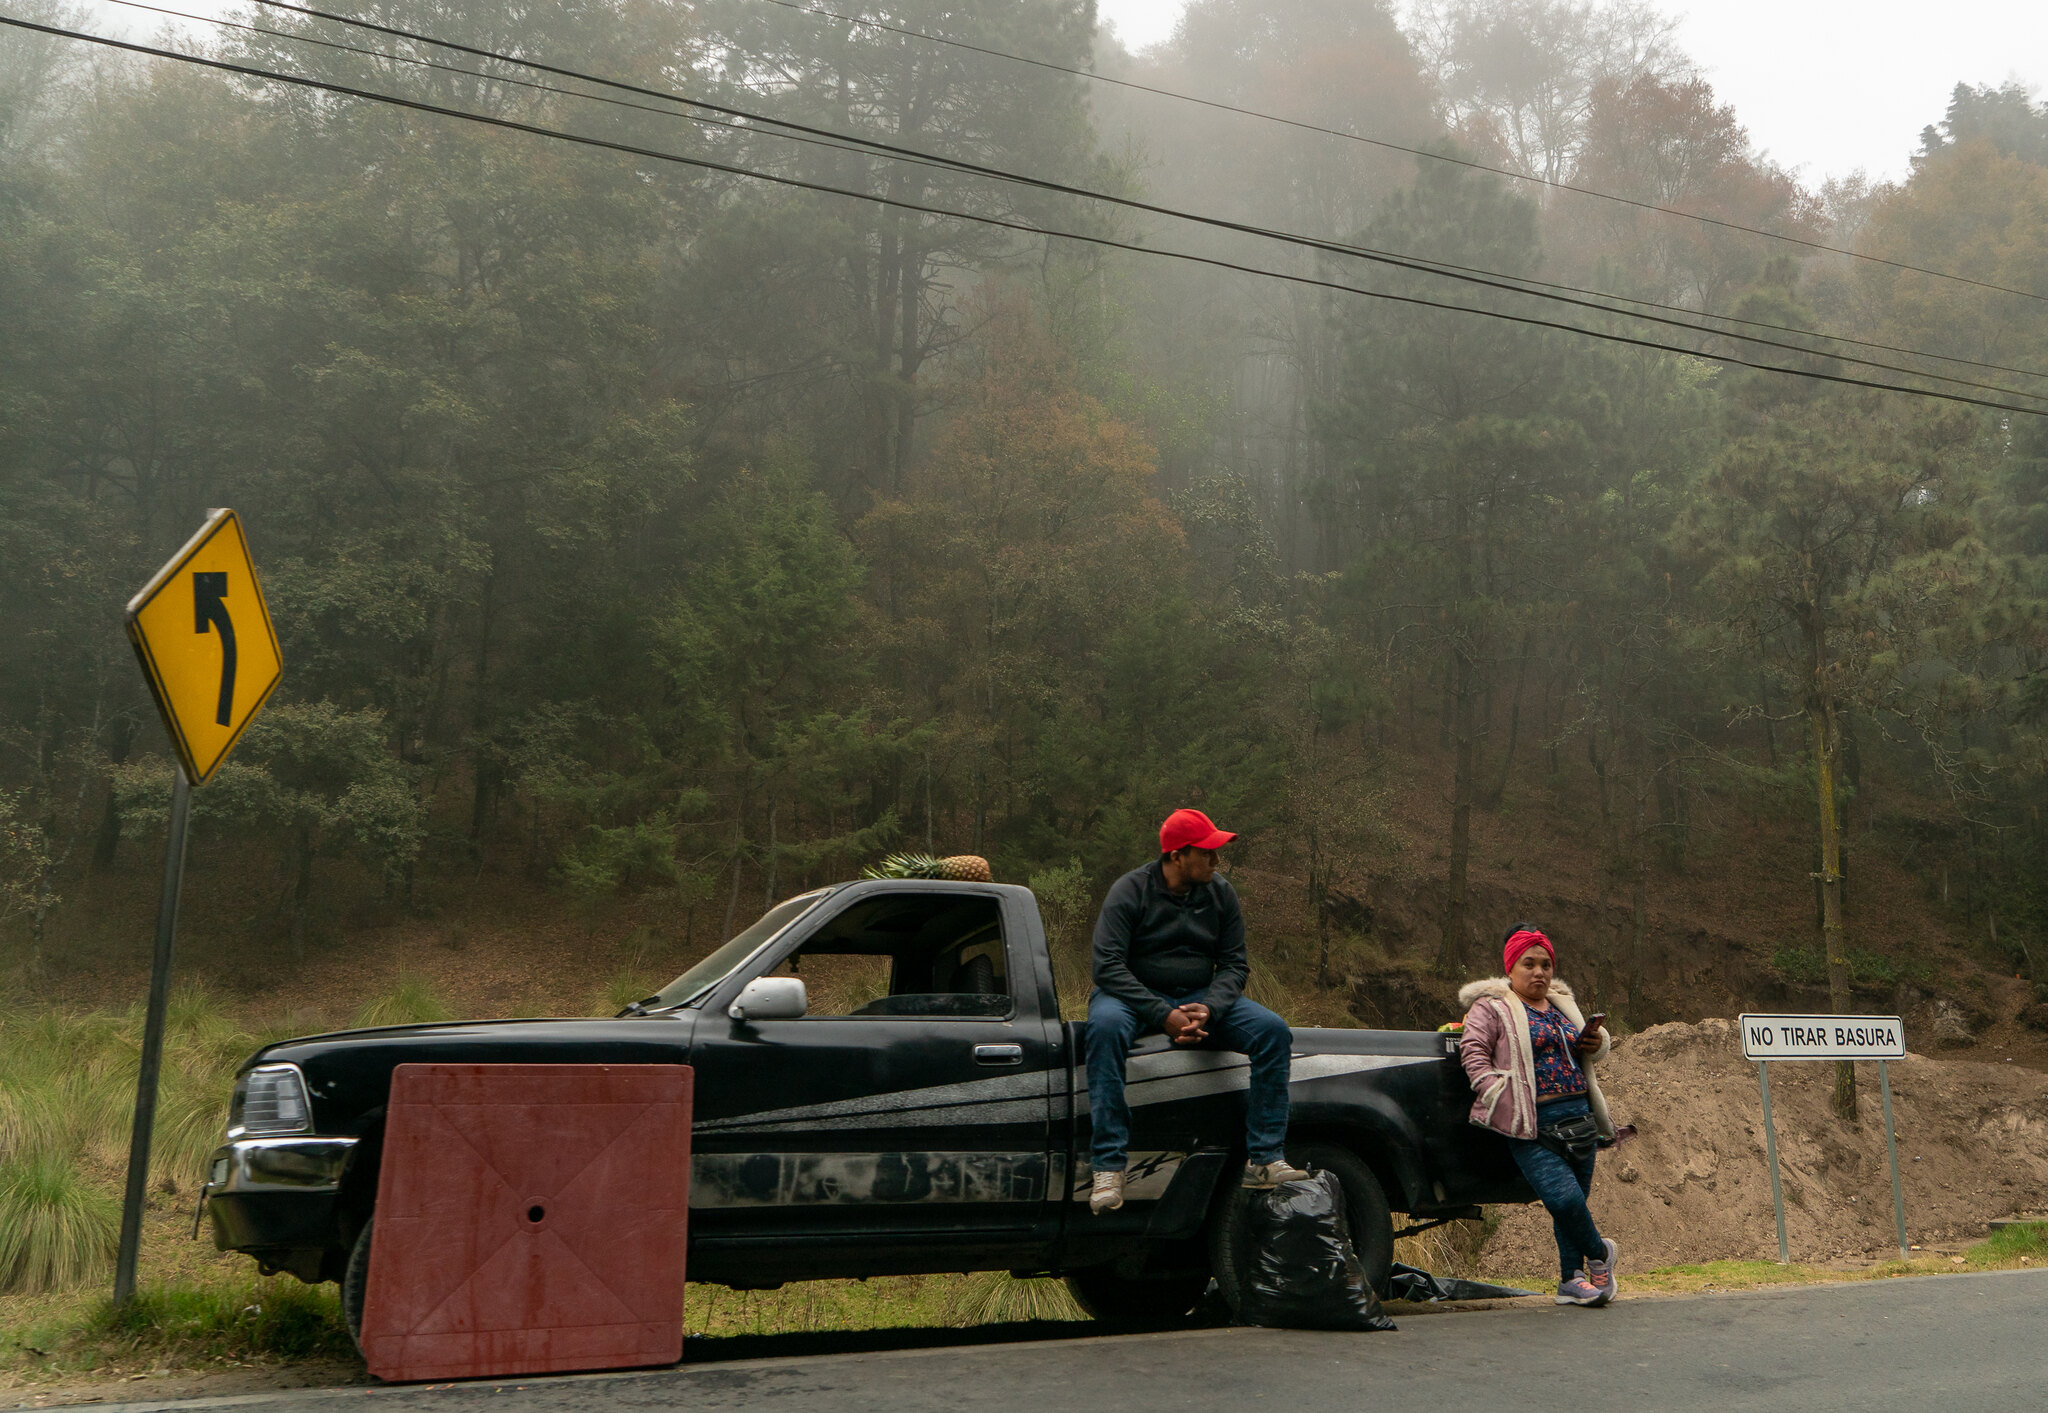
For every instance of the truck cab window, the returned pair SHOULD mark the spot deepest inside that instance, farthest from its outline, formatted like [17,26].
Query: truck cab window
[927,955]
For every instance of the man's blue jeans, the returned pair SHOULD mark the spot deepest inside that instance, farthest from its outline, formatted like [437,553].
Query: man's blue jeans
[1247,1027]
[1564,1186]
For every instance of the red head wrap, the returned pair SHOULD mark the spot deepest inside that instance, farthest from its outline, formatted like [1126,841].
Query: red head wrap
[1521,942]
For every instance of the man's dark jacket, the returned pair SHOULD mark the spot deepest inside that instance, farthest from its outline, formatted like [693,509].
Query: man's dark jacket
[1151,945]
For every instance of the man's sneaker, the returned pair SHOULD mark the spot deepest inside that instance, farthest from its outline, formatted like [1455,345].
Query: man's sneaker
[1579,1291]
[1600,1274]
[1265,1175]
[1107,1195]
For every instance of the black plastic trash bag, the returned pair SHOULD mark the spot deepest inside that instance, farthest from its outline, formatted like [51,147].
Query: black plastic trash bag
[1408,1283]
[1303,1273]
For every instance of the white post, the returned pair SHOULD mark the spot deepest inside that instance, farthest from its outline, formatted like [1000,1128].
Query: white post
[1891,1147]
[1763,1076]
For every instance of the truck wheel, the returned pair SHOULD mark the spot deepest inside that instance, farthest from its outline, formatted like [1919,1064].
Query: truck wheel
[1143,1304]
[354,1281]
[1371,1221]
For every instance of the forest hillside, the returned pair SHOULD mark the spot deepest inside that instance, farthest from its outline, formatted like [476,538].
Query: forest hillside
[698,448]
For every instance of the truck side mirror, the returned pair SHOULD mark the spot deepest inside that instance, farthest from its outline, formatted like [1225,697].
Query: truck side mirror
[770,998]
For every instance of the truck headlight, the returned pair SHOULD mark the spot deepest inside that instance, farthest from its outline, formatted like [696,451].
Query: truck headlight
[269,1099]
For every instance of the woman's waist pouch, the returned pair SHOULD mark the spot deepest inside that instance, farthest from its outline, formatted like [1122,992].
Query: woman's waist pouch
[1567,1128]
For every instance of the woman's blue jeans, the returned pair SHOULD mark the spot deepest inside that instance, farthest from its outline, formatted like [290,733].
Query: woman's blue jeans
[1564,1186]
[1247,1027]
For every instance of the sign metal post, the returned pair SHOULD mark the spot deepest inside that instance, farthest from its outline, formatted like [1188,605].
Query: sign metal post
[1891,1148]
[209,682]
[152,1042]
[1763,1079]
[1879,1038]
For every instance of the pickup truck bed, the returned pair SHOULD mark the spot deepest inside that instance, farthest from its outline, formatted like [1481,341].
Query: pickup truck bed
[939,1126]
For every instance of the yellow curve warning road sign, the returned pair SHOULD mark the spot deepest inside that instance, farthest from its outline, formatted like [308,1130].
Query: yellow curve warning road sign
[204,637]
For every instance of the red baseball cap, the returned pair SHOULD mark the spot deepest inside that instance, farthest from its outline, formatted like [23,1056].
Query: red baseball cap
[1185,827]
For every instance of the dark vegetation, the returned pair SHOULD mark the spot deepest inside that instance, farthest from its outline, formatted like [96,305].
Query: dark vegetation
[648,543]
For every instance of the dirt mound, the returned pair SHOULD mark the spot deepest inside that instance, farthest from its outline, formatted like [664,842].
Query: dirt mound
[1973,1145]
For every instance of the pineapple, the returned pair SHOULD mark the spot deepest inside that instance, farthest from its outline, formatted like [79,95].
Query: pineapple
[957,868]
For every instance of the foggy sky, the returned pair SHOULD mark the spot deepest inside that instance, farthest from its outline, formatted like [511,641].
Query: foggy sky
[1825,86]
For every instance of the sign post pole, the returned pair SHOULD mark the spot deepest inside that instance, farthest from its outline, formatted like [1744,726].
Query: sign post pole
[1891,1148]
[204,640]
[152,1041]
[1763,1075]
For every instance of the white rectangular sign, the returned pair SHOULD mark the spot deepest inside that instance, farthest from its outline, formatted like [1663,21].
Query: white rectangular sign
[1822,1037]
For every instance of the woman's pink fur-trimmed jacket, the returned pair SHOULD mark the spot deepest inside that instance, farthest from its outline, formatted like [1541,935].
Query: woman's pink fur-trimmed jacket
[1497,1058]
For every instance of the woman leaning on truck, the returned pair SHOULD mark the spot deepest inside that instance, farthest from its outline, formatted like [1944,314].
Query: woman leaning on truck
[1530,1055]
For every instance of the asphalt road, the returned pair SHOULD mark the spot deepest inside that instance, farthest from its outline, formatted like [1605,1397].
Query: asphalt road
[1955,1344]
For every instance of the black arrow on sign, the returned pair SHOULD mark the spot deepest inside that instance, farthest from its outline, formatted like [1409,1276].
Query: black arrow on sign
[209,606]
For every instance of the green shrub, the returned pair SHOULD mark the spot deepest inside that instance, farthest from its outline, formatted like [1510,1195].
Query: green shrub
[411,1002]
[280,1317]
[1808,966]
[2011,1243]
[56,1230]
[1803,966]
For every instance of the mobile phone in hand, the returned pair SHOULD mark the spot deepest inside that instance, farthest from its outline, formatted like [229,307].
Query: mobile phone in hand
[1594,1022]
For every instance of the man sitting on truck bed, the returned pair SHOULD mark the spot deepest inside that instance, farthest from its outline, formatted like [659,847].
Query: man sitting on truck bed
[1169,956]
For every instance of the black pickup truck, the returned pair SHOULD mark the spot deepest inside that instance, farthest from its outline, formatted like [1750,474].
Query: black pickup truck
[940,1125]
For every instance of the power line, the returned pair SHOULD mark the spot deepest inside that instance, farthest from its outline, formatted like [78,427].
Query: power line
[418,62]
[944,164]
[1485,278]
[1421,152]
[902,154]
[796,183]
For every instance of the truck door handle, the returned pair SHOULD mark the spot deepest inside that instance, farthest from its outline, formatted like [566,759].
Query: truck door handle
[999,1054]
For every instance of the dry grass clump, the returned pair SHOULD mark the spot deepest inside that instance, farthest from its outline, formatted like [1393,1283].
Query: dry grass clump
[67,1101]
[411,1002]
[997,1297]
[622,990]
[1449,1250]
[67,1105]
[67,1084]
[57,1230]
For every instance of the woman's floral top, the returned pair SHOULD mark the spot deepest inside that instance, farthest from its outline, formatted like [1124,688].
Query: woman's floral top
[1551,1038]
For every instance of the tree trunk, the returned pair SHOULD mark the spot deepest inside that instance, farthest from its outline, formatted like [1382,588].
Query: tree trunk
[1450,953]
[1446,711]
[486,776]
[732,899]
[1498,790]
[302,894]
[1820,713]
[108,844]
[910,355]
[1639,884]
[740,854]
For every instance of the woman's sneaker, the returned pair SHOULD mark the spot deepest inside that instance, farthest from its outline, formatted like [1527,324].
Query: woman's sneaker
[1579,1291]
[1267,1175]
[1600,1274]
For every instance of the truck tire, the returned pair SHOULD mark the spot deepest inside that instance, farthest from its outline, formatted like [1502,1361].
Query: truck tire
[1146,1303]
[1371,1221]
[354,1281]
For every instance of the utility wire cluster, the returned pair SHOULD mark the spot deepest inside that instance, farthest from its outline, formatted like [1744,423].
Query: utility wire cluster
[2003,398]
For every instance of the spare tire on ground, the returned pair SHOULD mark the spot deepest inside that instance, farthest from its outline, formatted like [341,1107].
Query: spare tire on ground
[1303,1273]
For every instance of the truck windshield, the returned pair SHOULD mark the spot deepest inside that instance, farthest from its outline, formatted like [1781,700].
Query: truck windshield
[692,984]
